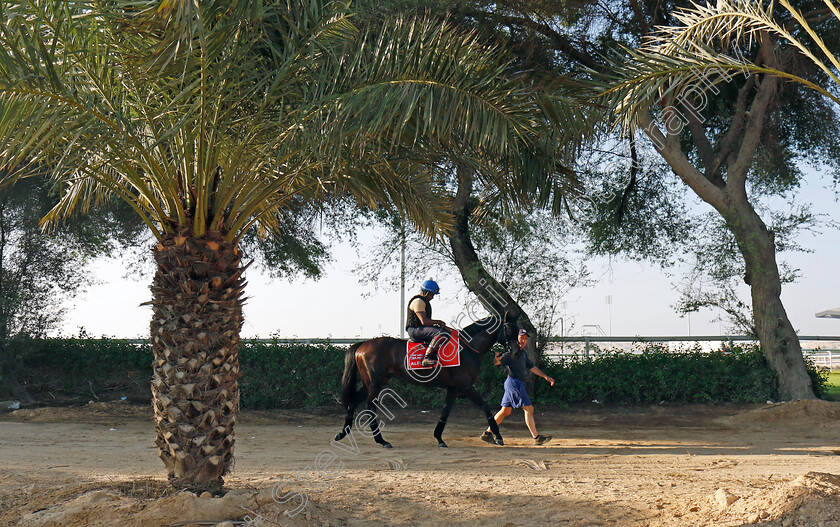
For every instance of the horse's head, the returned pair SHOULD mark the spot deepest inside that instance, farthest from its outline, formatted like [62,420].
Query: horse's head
[508,330]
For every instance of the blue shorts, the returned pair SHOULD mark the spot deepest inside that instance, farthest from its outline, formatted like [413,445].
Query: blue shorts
[515,394]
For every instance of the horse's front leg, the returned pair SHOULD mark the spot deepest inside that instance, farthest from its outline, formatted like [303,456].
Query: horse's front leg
[473,395]
[451,393]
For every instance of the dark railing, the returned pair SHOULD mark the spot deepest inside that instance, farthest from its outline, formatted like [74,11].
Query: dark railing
[821,355]
[588,340]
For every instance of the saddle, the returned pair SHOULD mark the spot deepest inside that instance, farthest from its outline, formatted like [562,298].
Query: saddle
[449,354]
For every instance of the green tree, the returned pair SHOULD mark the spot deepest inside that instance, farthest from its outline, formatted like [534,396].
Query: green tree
[477,189]
[746,138]
[208,118]
[40,272]
[671,75]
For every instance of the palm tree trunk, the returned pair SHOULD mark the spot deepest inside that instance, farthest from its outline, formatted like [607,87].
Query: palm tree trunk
[197,303]
[774,330]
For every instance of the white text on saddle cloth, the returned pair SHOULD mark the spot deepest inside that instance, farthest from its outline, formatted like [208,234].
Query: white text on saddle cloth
[448,355]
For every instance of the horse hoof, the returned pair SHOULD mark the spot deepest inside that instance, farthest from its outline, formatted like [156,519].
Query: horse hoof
[339,436]
[442,445]
[387,445]
[500,441]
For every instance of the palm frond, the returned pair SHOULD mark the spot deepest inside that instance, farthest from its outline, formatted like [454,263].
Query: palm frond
[679,57]
[211,115]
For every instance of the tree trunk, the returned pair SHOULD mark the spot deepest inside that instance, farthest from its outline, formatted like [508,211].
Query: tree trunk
[489,291]
[9,367]
[9,384]
[774,330]
[755,243]
[197,303]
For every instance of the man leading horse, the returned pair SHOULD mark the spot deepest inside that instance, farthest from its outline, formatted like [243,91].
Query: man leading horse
[375,361]
[420,325]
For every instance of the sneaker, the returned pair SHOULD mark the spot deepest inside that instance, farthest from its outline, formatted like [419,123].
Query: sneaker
[487,437]
[540,439]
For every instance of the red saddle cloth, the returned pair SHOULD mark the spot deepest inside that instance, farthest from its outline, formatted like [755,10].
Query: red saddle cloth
[448,355]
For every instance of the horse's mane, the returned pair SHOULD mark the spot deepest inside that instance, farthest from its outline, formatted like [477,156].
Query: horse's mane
[486,321]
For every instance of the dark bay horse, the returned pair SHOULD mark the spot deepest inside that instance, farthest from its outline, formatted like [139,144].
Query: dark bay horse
[377,360]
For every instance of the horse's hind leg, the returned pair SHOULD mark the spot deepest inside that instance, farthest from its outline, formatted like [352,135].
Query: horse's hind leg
[473,395]
[374,420]
[351,406]
[451,393]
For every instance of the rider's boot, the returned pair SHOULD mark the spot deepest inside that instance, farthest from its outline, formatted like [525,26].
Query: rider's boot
[430,359]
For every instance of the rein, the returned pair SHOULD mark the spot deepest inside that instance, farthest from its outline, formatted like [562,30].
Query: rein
[464,342]
[499,338]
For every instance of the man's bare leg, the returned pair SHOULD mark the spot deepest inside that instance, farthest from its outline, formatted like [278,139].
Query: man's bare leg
[529,420]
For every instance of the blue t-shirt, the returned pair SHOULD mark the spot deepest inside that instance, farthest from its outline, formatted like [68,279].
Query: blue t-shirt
[516,364]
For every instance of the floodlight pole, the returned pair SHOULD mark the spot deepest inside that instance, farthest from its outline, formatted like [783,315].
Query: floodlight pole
[402,280]
[562,334]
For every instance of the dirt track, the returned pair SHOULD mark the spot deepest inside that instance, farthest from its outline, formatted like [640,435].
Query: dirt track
[619,466]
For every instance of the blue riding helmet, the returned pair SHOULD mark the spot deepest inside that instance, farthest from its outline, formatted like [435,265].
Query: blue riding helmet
[430,286]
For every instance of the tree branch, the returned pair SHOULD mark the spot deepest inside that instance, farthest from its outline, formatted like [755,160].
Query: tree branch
[704,147]
[737,173]
[727,145]
[634,171]
[670,150]
[637,10]
[560,41]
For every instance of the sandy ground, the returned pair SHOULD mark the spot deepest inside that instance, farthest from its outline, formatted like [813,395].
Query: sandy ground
[773,465]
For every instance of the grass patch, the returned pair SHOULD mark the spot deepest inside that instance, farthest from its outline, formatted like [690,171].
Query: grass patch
[832,387]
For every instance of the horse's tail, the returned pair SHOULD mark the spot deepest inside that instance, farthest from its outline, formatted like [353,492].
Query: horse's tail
[350,377]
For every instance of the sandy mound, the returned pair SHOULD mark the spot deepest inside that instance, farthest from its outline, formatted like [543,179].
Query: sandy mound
[115,505]
[810,500]
[794,413]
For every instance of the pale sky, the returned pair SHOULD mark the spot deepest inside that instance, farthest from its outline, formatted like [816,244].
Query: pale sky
[334,306]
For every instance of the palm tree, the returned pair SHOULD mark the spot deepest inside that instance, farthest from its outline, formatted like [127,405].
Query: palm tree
[680,60]
[209,118]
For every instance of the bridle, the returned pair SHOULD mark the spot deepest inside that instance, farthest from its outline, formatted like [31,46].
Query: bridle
[502,336]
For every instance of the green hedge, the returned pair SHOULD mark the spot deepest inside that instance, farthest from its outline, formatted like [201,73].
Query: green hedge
[275,375]
[82,369]
[656,375]
[283,376]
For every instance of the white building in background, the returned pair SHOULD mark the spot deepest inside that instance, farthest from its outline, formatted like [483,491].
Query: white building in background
[829,313]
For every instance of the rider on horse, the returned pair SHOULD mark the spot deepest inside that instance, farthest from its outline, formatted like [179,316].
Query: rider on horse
[420,325]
